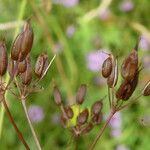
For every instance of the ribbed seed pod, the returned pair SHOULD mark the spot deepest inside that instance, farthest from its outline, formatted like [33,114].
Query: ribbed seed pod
[22,66]
[81,94]
[27,40]
[16,48]
[41,65]
[127,88]
[97,118]
[27,75]
[11,68]
[97,107]
[113,77]
[83,117]
[87,128]
[107,67]
[3,58]
[146,91]
[130,65]
[69,112]
[57,96]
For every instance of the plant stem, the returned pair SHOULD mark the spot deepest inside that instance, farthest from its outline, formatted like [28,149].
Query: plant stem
[14,125]
[102,130]
[23,101]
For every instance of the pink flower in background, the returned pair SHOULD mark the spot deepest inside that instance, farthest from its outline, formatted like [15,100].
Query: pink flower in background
[126,5]
[95,60]
[66,3]
[36,113]
[122,147]
[70,31]
[105,14]
[116,133]
[146,62]
[144,43]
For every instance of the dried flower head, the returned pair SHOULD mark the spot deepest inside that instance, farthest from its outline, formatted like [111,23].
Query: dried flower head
[97,107]
[83,117]
[69,112]
[57,96]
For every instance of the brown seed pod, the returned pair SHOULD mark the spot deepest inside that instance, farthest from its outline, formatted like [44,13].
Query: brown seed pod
[127,88]
[16,47]
[12,68]
[146,91]
[130,65]
[27,75]
[83,117]
[3,58]
[107,67]
[41,65]
[22,66]
[87,128]
[97,118]
[69,112]
[113,78]
[27,40]
[97,107]
[57,96]
[81,94]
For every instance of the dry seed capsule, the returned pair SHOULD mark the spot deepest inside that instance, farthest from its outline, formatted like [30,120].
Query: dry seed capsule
[27,40]
[41,65]
[113,78]
[146,91]
[87,128]
[16,48]
[3,58]
[22,66]
[69,112]
[27,75]
[107,67]
[81,94]
[12,68]
[130,65]
[97,107]
[83,117]
[57,96]
[97,118]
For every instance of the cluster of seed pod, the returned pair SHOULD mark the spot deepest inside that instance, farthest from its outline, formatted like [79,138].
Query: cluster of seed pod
[129,72]
[86,119]
[19,65]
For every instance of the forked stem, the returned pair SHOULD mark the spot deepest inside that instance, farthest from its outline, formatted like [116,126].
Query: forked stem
[14,125]
[102,130]
[23,101]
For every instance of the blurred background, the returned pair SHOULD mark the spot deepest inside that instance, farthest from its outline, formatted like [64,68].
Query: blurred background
[78,31]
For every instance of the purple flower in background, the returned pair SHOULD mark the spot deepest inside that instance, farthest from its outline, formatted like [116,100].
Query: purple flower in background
[95,60]
[58,48]
[146,62]
[36,113]
[66,3]
[70,31]
[116,121]
[105,14]
[144,43]
[122,147]
[126,5]
[116,132]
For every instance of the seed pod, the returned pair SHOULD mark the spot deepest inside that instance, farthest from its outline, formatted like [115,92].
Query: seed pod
[27,75]
[16,48]
[22,66]
[97,118]
[127,88]
[81,94]
[97,107]
[41,65]
[87,128]
[57,96]
[69,112]
[130,65]
[83,117]
[12,68]
[146,91]
[3,58]
[107,67]
[113,78]
[27,40]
